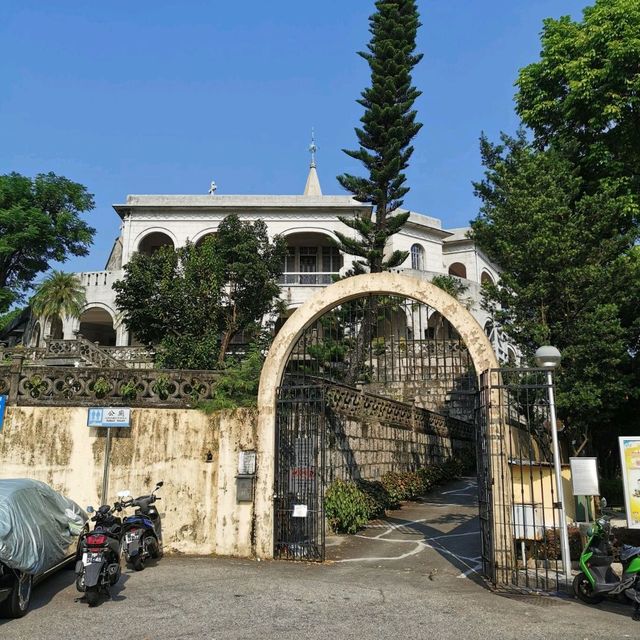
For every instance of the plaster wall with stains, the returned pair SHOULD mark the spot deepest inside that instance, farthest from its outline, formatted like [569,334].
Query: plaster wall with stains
[200,513]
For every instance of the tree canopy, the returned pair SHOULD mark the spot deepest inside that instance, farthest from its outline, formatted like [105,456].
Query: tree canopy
[192,301]
[560,215]
[388,127]
[39,223]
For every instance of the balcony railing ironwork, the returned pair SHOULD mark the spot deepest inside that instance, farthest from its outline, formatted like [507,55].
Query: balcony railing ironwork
[308,278]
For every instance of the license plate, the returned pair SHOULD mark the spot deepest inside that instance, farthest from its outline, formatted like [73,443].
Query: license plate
[131,537]
[90,558]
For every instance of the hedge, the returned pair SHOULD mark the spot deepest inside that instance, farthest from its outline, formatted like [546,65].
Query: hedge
[349,505]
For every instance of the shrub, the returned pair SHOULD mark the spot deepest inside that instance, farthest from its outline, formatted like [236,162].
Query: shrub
[349,505]
[101,387]
[376,496]
[550,546]
[345,507]
[129,390]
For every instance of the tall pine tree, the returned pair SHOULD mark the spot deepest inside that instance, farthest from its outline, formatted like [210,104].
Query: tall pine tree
[388,127]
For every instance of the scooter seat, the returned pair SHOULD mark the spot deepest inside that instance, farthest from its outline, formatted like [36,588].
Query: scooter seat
[627,552]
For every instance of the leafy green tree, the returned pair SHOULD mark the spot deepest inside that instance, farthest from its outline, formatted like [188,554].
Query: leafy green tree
[567,278]
[192,301]
[388,127]
[453,286]
[251,266]
[561,213]
[584,92]
[39,222]
[59,295]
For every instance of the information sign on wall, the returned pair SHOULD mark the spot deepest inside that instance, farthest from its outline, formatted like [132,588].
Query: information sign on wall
[109,417]
[3,406]
[630,458]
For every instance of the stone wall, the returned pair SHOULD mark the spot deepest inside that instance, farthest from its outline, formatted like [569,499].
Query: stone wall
[367,436]
[199,508]
[453,396]
[362,449]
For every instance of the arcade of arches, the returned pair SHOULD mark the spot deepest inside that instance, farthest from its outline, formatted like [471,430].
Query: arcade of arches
[96,325]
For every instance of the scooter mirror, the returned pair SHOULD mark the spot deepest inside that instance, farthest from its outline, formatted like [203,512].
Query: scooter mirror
[603,503]
[590,531]
[159,484]
[90,509]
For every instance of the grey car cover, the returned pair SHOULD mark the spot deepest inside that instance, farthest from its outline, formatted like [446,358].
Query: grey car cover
[37,525]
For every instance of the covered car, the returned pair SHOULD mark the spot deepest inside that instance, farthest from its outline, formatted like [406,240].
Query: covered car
[39,531]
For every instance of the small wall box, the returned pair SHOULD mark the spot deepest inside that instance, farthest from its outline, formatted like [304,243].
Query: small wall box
[244,488]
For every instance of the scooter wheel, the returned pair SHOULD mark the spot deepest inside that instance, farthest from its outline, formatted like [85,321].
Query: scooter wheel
[584,591]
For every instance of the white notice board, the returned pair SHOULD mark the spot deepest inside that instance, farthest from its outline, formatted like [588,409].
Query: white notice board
[584,476]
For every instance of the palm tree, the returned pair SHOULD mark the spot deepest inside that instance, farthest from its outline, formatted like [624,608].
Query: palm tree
[59,295]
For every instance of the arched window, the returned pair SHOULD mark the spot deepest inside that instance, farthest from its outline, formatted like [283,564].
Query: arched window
[458,269]
[153,241]
[417,257]
[486,278]
[96,325]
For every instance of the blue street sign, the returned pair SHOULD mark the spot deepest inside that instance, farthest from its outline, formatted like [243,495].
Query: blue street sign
[109,417]
[3,406]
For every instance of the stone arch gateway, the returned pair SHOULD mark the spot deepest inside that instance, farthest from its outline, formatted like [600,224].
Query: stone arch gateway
[346,290]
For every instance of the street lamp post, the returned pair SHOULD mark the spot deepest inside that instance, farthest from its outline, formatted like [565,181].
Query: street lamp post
[549,358]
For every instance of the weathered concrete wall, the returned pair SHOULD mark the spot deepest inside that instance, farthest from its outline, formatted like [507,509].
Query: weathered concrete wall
[198,507]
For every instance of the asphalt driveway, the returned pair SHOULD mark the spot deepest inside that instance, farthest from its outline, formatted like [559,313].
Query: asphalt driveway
[413,575]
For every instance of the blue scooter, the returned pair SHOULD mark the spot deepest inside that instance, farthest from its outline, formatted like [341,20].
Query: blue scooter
[142,537]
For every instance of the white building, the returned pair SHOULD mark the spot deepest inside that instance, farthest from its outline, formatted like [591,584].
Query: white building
[308,222]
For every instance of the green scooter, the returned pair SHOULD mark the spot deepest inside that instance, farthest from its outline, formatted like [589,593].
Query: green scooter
[597,580]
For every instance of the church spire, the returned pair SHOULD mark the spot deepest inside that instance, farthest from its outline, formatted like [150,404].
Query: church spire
[312,188]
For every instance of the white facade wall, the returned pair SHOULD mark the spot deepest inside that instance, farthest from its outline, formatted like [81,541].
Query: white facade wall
[189,218]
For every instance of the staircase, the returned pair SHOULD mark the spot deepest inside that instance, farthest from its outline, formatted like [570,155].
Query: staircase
[69,352]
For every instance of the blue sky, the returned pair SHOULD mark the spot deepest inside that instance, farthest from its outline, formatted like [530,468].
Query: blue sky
[162,97]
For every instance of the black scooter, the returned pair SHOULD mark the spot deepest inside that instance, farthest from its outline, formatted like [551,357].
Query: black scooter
[98,565]
[143,530]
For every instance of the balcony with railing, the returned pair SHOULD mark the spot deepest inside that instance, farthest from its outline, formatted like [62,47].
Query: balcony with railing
[306,278]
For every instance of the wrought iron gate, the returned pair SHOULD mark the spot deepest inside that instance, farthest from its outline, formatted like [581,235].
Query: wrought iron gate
[519,509]
[299,480]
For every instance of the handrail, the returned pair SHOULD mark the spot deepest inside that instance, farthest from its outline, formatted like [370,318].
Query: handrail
[308,277]
[83,348]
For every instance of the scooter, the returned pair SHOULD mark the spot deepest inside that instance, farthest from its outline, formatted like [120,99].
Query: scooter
[143,530]
[597,580]
[98,566]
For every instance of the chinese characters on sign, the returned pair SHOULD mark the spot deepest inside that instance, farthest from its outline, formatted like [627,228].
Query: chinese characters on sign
[630,457]
[109,417]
